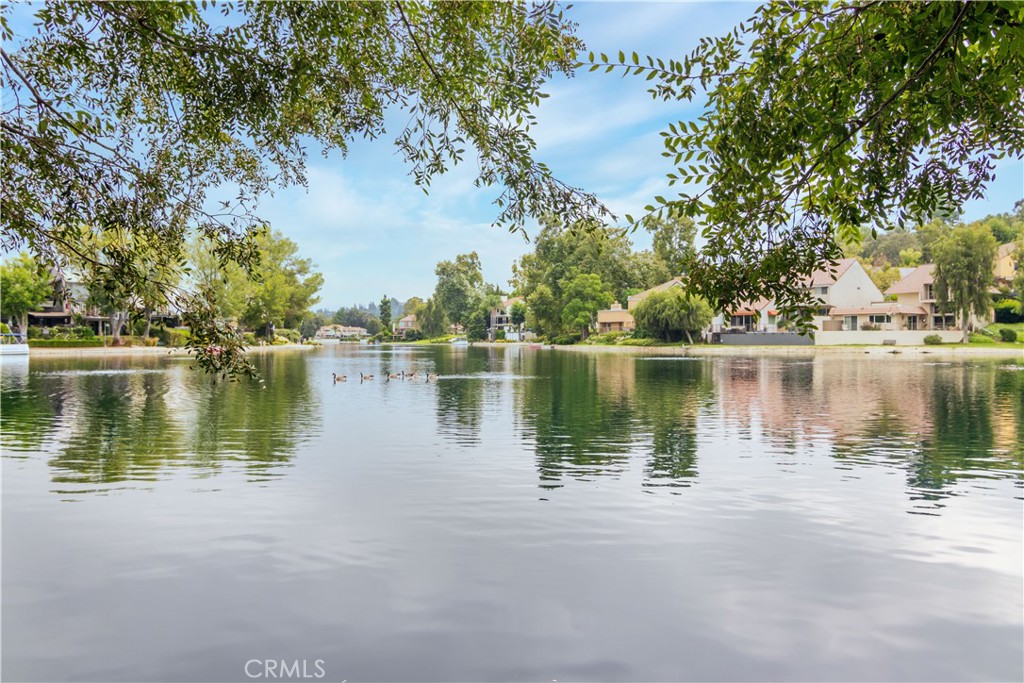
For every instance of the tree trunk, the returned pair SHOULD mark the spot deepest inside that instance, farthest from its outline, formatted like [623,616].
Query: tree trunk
[963,325]
[23,324]
[116,321]
[688,337]
[149,322]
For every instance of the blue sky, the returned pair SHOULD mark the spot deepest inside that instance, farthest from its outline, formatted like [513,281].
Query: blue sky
[372,232]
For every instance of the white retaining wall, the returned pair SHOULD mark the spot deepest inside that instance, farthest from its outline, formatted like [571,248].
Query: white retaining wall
[879,337]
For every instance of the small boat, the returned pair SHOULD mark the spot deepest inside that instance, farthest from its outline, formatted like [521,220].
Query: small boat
[13,345]
[459,341]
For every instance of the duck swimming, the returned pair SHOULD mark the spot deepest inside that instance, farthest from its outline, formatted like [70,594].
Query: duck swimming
[338,378]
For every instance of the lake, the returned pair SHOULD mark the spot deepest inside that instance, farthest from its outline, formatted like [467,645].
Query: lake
[530,515]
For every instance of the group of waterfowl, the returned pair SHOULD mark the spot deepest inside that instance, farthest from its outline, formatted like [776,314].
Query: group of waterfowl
[403,375]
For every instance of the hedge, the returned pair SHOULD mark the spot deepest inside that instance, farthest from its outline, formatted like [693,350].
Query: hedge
[1008,335]
[64,343]
[933,340]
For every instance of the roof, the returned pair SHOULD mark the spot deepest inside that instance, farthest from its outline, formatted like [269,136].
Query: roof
[1006,249]
[511,300]
[827,276]
[880,309]
[912,284]
[657,288]
[411,318]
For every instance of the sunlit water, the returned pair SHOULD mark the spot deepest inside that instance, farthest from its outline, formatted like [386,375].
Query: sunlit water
[532,515]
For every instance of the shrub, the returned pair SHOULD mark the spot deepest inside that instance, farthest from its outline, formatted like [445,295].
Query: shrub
[639,341]
[870,327]
[290,335]
[1009,311]
[413,335]
[1008,335]
[4,329]
[565,339]
[608,338]
[173,336]
[64,343]
[35,332]
[933,340]
[499,335]
[249,338]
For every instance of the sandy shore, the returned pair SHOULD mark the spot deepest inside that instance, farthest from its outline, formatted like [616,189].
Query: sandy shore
[148,350]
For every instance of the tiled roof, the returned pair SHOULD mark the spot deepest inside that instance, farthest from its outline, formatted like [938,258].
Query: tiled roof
[1006,249]
[912,284]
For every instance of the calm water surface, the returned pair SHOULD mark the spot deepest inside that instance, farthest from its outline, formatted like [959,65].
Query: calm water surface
[532,515]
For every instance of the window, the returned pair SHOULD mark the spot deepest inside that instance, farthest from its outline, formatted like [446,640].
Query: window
[911,322]
[821,291]
[929,292]
[822,312]
[878,319]
[850,323]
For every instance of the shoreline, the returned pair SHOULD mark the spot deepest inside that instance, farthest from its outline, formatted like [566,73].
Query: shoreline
[728,350]
[145,350]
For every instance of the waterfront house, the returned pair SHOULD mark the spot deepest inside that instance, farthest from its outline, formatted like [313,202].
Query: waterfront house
[845,287]
[618,319]
[501,320]
[916,294]
[405,325]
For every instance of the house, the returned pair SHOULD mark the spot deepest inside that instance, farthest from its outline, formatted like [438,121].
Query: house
[748,316]
[341,332]
[501,320]
[846,286]
[617,319]
[405,325]
[1005,266]
[915,294]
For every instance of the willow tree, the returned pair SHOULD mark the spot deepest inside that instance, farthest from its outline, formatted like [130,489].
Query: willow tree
[823,119]
[135,117]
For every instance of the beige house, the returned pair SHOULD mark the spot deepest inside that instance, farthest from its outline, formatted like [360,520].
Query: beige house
[1005,267]
[915,293]
[619,319]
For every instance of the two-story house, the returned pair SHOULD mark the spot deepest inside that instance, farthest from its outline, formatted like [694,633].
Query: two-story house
[915,294]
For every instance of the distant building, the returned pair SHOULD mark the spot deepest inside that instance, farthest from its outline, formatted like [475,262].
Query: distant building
[341,332]
[1006,265]
[617,319]
[501,319]
[405,325]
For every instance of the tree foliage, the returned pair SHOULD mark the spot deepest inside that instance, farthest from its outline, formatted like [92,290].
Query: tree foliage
[459,287]
[673,238]
[131,116]
[284,287]
[385,314]
[822,120]
[23,287]
[432,322]
[672,314]
[963,272]
[584,296]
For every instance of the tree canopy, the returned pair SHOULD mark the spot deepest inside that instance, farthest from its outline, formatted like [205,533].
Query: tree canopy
[23,286]
[138,116]
[823,119]
[963,272]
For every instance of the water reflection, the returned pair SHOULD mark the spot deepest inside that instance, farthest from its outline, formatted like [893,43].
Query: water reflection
[108,420]
[584,417]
